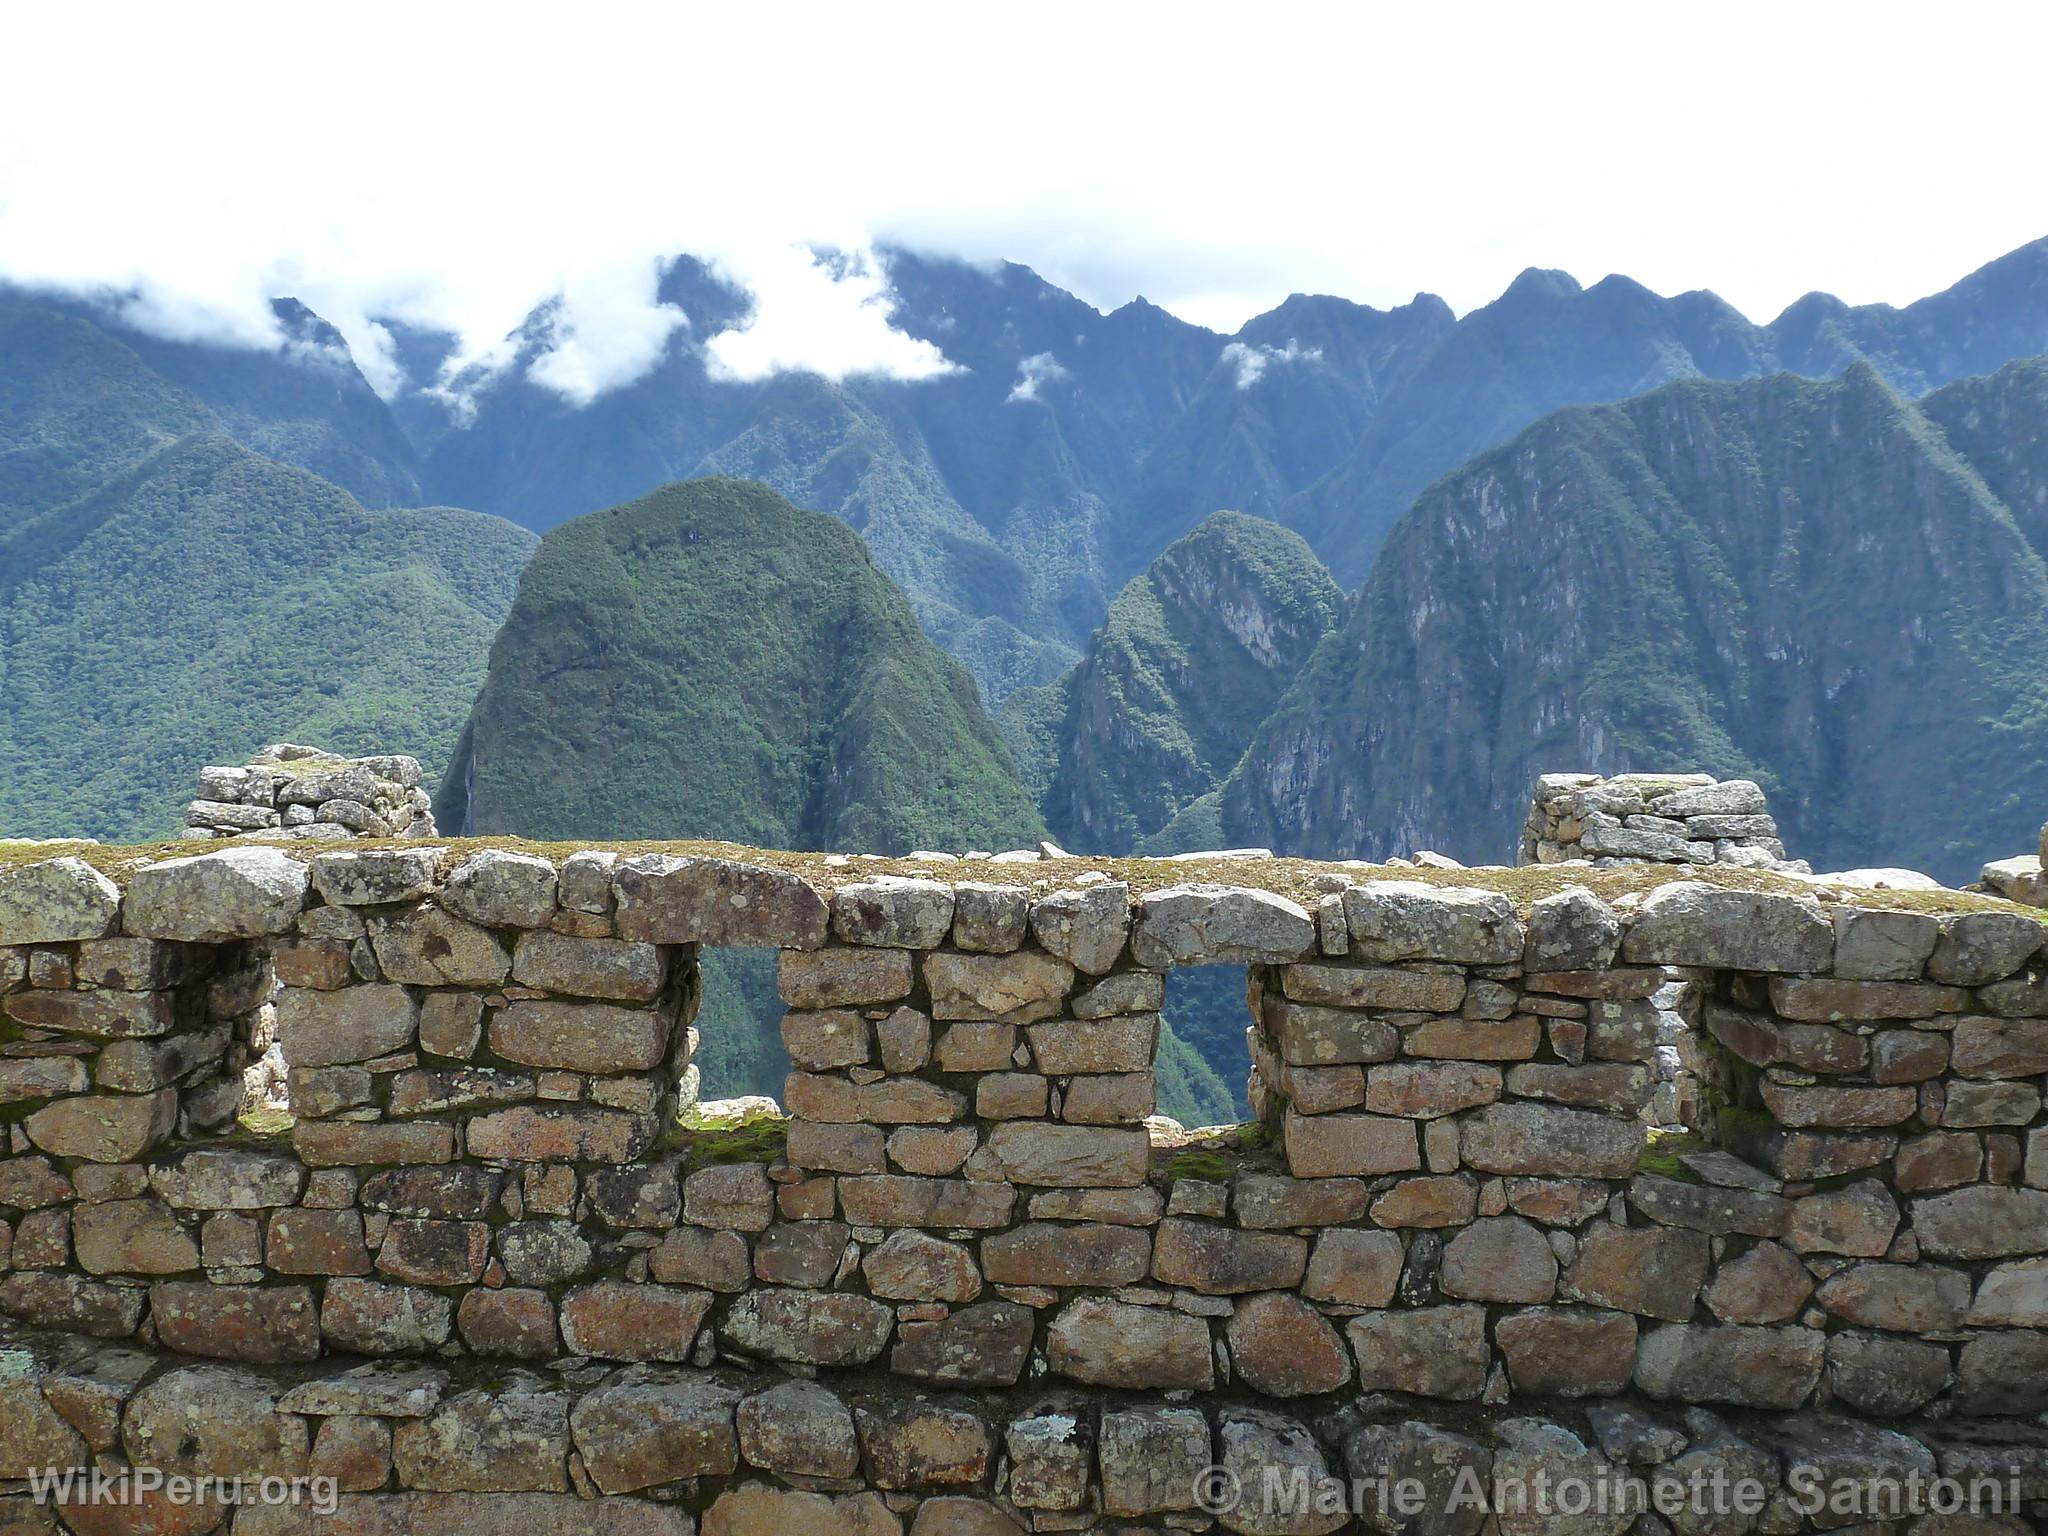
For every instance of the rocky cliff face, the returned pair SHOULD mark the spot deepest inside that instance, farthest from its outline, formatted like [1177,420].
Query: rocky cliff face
[1193,656]
[1801,583]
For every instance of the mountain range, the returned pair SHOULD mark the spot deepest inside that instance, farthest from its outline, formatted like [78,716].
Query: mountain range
[1586,528]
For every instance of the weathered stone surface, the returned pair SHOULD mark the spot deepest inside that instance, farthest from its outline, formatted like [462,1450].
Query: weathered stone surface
[1219,925]
[1440,1467]
[1124,992]
[1058,1253]
[1283,1347]
[432,1252]
[2003,1373]
[894,912]
[1796,1105]
[844,977]
[324,1144]
[618,969]
[1745,1367]
[915,1266]
[892,1101]
[1223,1261]
[1826,999]
[1315,1036]
[1354,1267]
[366,878]
[1429,1351]
[753,1509]
[984,1345]
[1424,1090]
[1084,927]
[449,1192]
[425,946]
[43,1077]
[633,1322]
[810,1327]
[1065,1047]
[1767,1284]
[1268,1200]
[717,1261]
[235,893]
[1499,1258]
[1568,1351]
[1858,1220]
[1982,1223]
[799,1429]
[1256,1450]
[647,1426]
[104,1128]
[513,1439]
[578,1133]
[1651,1271]
[1052,1454]
[1572,930]
[1544,1139]
[1690,923]
[389,1391]
[580,1037]
[923,1443]
[1883,946]
[513,1323]
[106,1015]
[1115,1344]
[497,888]
[32,1435]
[1018,988]
[2000,1048]
[990,919]
[732,1195]
[2012,1295]
[1886,1377]
[209,1420]
[258,1324]
[830,1037]
[56,901]
[1980,947]
[322,1029]
[1328,1146]
[374,1318]
[1354,986]
[1405,920]
[1710,1208]
[1067,1156]
[667,900]
[73,1303]
[1150,1458]
[131,1237]
[899,1200]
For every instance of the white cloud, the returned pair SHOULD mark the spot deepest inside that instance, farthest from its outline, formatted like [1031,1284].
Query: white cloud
[1037,369]
[203,161]
[817,315]
[1252,359]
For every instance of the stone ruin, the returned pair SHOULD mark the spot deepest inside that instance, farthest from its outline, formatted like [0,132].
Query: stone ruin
[1654,818]
[2023,879]
[486,1276]
[298,792]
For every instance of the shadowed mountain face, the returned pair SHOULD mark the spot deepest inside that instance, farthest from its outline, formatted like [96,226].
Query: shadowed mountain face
[1808,583]
[1193,656]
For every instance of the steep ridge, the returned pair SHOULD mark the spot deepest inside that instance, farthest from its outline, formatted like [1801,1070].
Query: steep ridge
[1547,343]
[304,403]
[711,661]
[1194,654]
[209,600]
[1800,582]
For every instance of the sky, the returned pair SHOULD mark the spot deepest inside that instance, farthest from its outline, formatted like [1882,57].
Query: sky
[455,166]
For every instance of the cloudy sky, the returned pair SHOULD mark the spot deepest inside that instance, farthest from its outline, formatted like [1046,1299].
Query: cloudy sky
[455,166]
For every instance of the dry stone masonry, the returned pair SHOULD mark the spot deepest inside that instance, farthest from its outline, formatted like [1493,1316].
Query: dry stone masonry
[1657,818]
[2020,879]
[294,792]
[968,1286]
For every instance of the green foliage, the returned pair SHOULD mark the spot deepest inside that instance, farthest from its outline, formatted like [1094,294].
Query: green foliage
[1194,654]
[210,600]
[1190,1089]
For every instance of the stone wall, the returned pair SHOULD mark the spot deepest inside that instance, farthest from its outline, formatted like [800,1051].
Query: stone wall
[1656,818]
[1452,1203]
[295,792]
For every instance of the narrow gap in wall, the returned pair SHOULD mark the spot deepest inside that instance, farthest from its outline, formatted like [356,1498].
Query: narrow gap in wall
[1203,1059]
[739,1025]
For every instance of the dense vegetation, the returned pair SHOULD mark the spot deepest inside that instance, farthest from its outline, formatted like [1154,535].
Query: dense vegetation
[210,600]
[1804,583]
